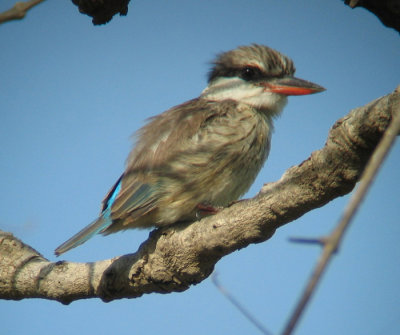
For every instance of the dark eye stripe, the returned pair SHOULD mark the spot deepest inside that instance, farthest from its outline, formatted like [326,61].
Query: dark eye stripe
[247,73]
[250,73]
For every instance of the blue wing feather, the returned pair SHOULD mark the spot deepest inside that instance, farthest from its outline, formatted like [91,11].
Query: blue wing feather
[140,197]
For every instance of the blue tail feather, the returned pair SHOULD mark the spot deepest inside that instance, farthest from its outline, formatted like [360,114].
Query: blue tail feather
[86,233]
[99,225]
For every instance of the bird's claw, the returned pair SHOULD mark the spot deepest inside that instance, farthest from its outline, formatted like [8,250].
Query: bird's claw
[207,209]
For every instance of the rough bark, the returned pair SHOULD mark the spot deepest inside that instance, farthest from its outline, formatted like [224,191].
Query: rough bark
[175,257]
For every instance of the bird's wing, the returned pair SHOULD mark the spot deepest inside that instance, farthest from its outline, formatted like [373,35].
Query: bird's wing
[159,142]
[133,196]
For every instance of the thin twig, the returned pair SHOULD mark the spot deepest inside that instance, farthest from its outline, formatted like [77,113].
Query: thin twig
[336,236]
[321,241]
[19,10]
[238,305]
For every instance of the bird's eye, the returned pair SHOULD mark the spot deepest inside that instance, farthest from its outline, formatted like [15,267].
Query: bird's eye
[250,73]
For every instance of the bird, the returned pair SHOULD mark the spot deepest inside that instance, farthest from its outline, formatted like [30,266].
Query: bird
[204,154]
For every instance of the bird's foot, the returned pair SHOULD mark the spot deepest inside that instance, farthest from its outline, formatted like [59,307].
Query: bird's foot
[207,209]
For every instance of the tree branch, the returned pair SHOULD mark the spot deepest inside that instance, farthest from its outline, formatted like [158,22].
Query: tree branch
[175,257]
[332,242]
[388,11]
[19,11]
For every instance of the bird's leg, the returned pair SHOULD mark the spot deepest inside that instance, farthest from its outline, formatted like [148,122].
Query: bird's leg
[207,209]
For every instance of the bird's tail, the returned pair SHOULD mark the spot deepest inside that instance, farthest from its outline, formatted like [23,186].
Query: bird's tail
[100,224]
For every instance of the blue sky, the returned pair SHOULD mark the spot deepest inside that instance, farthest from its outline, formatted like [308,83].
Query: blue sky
[72,94]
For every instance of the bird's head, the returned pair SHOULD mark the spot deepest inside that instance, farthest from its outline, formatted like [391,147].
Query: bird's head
[258,76]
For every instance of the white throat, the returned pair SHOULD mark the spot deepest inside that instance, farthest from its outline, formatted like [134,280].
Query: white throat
[241,91]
